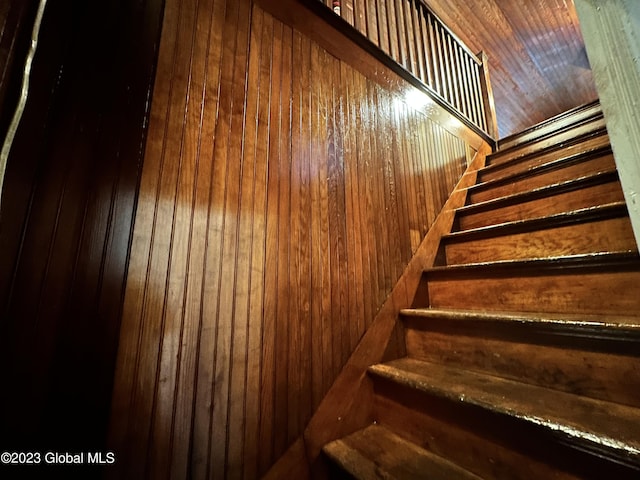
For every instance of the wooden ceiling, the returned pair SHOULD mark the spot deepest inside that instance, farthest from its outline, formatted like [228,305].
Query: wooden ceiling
[536,54]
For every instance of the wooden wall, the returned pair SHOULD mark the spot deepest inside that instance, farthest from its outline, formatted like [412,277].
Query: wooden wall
[67,215]
[283,193]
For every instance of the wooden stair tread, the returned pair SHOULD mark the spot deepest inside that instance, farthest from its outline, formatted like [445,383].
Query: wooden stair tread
[554,164]
[598,141]
[548,190]
[554,140]
[570,117]
[611,210]
[377,453]
[629,260]
[594,425]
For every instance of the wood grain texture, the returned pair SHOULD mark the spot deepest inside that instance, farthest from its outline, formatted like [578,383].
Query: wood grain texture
[279,194]
[603,376]
[399,29]
[555,199]
[67,217]
[541,176]
[347,406]
[596,235]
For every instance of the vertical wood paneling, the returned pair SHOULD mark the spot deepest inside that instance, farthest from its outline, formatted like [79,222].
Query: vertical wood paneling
[283,194]
[67,215]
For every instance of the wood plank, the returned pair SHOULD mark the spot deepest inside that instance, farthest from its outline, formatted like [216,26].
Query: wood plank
[458,430]
[189,244]
[417,15]
[589,284]
[217,94]
[551,140]
[295,231]
[372,21]
[541,176]
[383,27]
[304,246]
[360,20]
[286,250]
[570,233]
[265,438]
[392,30]
[412,64]
[533,349]
[586,147]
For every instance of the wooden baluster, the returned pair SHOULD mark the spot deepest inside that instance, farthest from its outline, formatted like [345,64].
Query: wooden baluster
[475,70]
[402,38]
[455,78]
[433,51]
[417,34]
[408,27]
[473,89]
[383,30]
[448,70]
[346,10]
[393,30]
[464,84]
[359,16]
[372,22]
[444,90]
[424,31]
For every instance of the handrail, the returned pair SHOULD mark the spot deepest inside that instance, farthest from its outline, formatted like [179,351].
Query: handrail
[414,37]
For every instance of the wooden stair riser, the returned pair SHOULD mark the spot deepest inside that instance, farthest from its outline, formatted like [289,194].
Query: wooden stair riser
[568,119]
[562,201]
[541,178]
[551,141]
[581,238]
[522,164]
[573,291]
[550,363]
[489,445]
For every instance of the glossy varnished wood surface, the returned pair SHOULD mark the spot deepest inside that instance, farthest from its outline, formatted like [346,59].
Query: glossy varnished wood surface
[410,34]
[67,216]
[536,53]
[282,196]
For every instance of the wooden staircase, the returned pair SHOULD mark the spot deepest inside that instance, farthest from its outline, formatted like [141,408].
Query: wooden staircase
[523,344]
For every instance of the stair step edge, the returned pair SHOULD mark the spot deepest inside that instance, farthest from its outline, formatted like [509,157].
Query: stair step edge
[588,110]
[614,321]
[612,333]
[542,168]
[487,392]
[491,167]
[541,192]
[581,215]
[586,121]
[625,259]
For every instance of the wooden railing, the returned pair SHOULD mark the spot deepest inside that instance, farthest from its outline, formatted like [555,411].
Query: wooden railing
[416,39]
